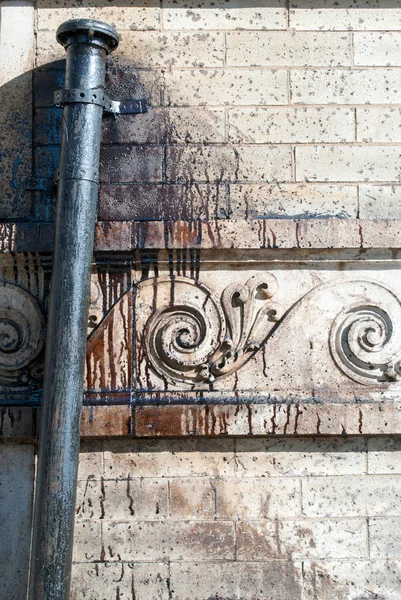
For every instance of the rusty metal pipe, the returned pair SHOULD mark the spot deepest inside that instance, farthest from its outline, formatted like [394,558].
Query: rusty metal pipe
[87,43]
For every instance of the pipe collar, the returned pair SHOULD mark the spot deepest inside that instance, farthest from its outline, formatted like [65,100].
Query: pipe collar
[88,31]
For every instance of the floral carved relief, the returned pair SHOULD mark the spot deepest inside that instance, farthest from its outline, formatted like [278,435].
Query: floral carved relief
[193,336]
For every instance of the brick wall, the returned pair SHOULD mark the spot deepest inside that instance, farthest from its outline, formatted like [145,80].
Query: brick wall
[259,109]
[283,519]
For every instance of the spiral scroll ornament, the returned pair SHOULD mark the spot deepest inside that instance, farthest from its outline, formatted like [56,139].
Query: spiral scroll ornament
[365,340]
[191,336]
[21,335]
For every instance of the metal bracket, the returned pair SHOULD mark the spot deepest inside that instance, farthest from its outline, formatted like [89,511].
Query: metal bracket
[99,97]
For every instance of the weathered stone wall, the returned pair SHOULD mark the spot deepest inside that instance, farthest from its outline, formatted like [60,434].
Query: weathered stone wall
[306,518]
[261,109]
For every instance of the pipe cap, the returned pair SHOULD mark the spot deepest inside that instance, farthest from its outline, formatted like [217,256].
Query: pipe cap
[87,31]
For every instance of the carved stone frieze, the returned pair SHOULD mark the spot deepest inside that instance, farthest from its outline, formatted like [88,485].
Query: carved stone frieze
[22,327]
[234,329]
[192,336]
[342,328]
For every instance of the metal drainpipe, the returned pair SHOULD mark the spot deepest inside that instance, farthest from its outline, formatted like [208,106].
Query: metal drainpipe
[87,43]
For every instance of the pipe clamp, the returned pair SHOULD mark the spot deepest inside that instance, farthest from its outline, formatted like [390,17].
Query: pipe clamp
[99,97]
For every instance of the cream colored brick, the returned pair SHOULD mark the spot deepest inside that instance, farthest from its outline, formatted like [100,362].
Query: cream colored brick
[127,14]
[102,581]
[257,498]
[384,455]
[377,49]
[129,164]
[334,15]
[48,49]
[174,125]
[292,200]
[385,538]
[229,163]
[307,539]
[353,163]
[346,86]
[17,38]
[16,496]
[351,579]
[280,580]
[168,458]
[151,581]
[224,14]
[291,125]
[139,498]
[122,499]
[226,86]
[379,124]
[90,459]
[17,60]
[173,49]
[159,541]
[379,202]
[300,457]
[87,541]
[351,496]
[288,49]
[189,501]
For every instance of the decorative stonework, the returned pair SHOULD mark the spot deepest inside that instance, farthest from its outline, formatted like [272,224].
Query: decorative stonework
[192,336]
[21,336]
[365,339]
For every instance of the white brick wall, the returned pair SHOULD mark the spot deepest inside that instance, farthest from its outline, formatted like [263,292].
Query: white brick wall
[305,518]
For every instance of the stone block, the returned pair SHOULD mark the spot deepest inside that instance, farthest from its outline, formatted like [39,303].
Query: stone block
[16,497]
[345,86]
[300,457]
[173,49]
[17,423]
[301,540]
[379,124]
[291,125]
[225,86]
[329,579]
[384,455]
[168,540]
[122,499]
[17,39]
[189,500]
[225,14]
[333,15]
[168,458]
[257,498]
[376,49]
[385,538]
[168,125]
[102,581]
[380,202]
[17,59]
[280,580]
[374,495]
[228,163]
[126,164]
[151,581]
[298,201]
[356,163]
[90,460]
[127,15]
[188,201]
[87,541]
[288,49]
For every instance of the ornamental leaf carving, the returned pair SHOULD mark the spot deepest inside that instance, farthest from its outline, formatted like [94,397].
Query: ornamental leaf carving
[192,336]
